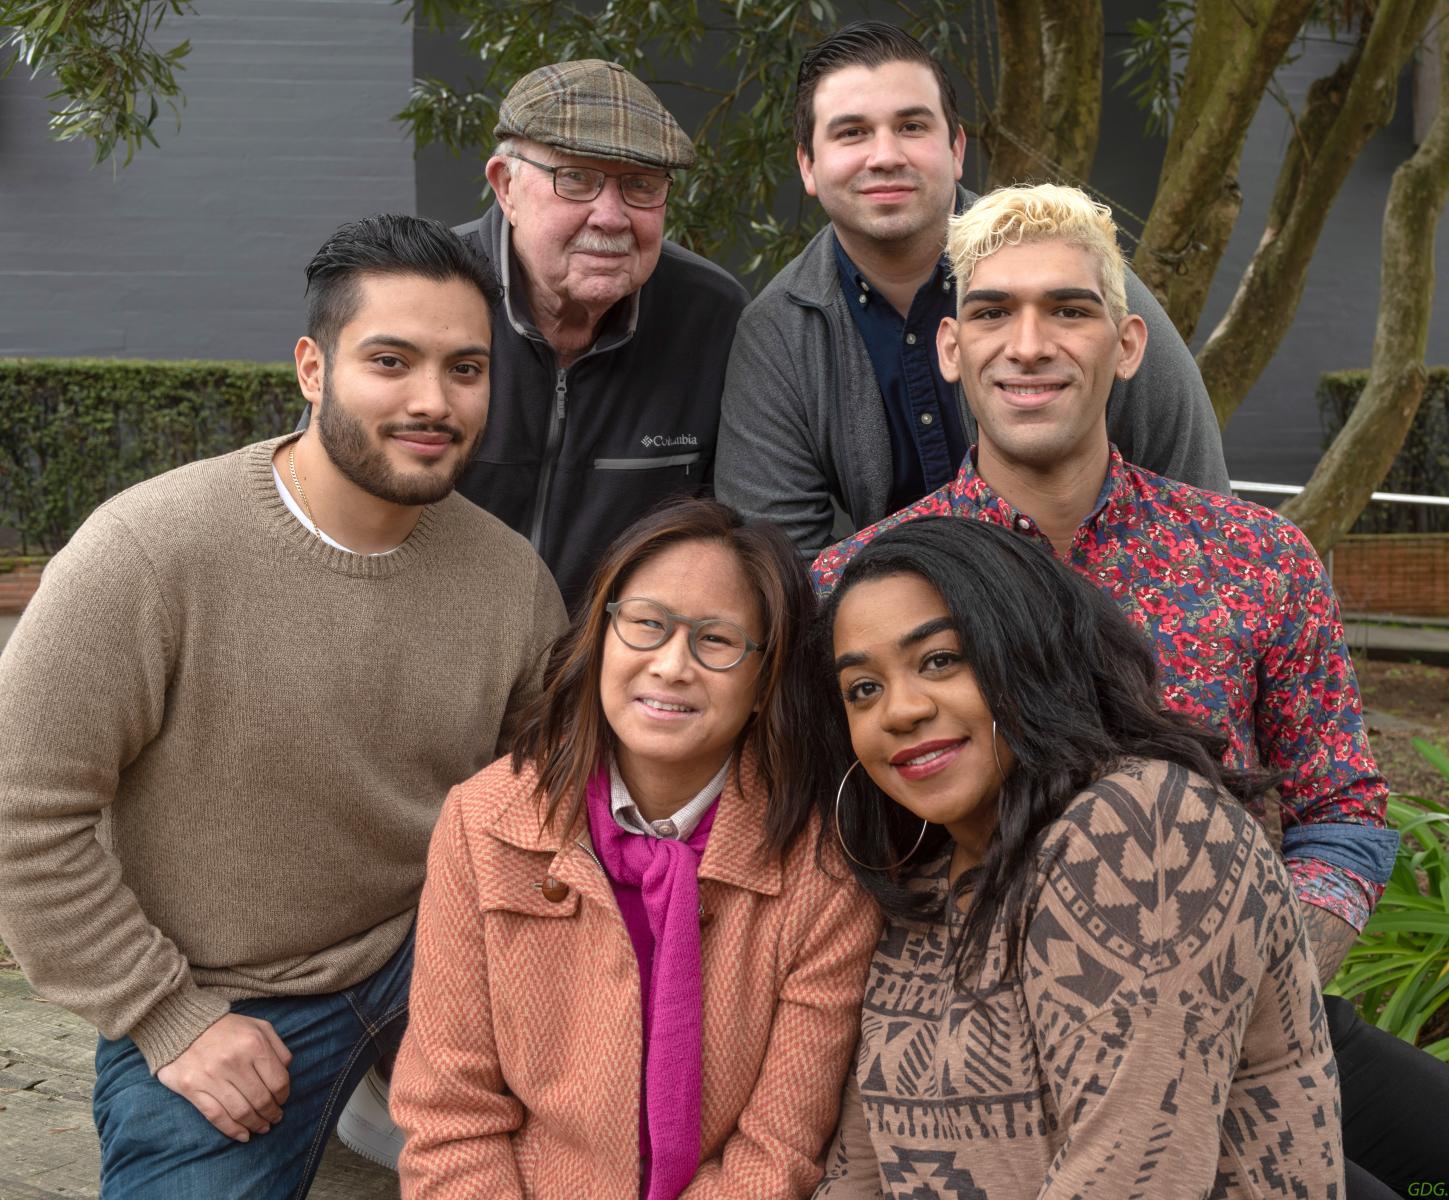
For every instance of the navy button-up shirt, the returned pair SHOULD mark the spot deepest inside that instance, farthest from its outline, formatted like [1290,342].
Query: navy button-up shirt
[922,411]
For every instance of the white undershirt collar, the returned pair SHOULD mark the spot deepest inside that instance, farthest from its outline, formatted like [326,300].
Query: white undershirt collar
[296,510]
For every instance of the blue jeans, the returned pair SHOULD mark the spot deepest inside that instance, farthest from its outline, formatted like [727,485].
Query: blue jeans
[156,1146]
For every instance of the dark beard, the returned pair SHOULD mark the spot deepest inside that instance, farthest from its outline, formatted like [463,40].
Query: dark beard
[364,463]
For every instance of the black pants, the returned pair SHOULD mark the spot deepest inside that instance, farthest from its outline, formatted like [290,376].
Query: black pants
[1395,1110]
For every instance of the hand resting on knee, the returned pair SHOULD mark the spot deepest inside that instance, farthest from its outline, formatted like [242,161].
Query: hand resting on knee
[235,1074]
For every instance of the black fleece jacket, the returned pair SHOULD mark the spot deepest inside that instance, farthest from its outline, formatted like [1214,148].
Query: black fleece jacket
[571,457]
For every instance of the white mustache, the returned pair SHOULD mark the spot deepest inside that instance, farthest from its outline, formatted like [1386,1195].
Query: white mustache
[590,241]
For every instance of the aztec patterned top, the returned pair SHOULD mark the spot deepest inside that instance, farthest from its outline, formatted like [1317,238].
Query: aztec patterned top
[1248,641]
[1165,1036]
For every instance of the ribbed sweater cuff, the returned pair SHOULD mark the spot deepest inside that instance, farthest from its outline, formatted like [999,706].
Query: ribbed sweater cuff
[177,1021]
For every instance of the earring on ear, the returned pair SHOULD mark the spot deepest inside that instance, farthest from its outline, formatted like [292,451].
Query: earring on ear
[840,835]
[995,753]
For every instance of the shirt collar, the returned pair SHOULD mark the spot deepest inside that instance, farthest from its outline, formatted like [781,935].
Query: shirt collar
[679,826]
[970,491]
[857,287]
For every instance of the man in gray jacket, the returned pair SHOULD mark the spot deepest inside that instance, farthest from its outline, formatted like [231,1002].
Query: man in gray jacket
[834,411]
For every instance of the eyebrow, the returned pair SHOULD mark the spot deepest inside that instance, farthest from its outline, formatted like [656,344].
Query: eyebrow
[1076,293]
[996,296]
[394,342]
[916,110]
[920,633]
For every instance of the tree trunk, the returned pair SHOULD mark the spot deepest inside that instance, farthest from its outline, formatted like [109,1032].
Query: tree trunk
[1048,109]
[1015,128]
[1365,447]
[1236,47]
[1072,51]
[1263,308]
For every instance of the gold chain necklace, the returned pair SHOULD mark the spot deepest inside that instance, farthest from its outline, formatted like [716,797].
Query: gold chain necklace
[297,483]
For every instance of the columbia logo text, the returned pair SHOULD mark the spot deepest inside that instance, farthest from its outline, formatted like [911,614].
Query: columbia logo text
[658,441]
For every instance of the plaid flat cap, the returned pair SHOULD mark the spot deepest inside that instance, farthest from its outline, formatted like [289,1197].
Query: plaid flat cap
[595,108]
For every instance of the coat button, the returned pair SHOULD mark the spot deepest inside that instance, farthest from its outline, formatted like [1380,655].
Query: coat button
[705,918]
[553,890]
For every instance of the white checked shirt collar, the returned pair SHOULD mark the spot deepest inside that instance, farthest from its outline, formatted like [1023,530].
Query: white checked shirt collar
[683,823]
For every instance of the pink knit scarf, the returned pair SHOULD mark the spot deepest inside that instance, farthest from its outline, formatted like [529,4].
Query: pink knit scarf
[666,872]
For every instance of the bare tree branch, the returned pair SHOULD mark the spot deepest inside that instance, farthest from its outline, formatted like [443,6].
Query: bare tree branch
[1235,50]
[1267,297]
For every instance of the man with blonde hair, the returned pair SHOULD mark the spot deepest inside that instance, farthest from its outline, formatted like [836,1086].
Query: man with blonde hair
[1232,597]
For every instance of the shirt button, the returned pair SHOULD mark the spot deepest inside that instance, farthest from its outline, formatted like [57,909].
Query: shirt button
[1023,524]
[926,418]
[861,297]
[910,339]
[666,828]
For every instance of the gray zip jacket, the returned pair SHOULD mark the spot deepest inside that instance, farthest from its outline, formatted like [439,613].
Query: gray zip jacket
[803,440]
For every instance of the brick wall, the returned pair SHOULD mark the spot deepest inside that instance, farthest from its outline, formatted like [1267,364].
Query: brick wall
[17,586]
[1401,573]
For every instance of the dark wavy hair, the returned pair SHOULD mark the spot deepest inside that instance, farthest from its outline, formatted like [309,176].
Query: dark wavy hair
[1073,688]
[862,44]
[386,244]
[564,732]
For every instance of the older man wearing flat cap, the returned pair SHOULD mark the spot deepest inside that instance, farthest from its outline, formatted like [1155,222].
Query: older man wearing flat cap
[608,366]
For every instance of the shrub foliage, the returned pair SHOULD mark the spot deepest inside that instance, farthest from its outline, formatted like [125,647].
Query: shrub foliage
[1397,973]
[74,431]
[1422,466]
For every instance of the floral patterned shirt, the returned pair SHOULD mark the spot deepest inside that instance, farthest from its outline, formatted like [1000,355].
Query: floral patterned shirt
[1248,641]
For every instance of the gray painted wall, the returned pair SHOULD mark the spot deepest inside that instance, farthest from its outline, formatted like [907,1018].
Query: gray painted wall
[196,250]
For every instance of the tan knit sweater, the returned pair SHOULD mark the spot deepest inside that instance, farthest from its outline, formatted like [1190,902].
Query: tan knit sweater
[223,743]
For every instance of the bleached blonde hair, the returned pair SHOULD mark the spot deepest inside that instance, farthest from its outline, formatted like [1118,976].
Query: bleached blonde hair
[1012,216]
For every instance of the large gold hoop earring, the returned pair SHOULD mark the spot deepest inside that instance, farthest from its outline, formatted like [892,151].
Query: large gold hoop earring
[840,837]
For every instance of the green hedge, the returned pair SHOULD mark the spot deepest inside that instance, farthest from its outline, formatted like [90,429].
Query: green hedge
[1422,467]
[74,431]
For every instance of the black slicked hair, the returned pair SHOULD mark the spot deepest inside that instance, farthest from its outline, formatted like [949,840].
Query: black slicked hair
[863,44]
[385,244]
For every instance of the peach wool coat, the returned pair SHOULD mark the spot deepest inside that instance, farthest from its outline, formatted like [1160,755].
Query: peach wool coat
[520,1073]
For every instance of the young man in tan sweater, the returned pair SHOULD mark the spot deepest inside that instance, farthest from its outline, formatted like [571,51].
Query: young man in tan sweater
[228,720]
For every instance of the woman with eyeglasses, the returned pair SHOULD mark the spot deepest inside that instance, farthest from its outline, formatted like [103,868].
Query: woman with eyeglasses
[1094,979]
[635,975]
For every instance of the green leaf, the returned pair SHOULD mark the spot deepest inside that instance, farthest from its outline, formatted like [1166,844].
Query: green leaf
[1433,755]
[1434,923]
[55,25]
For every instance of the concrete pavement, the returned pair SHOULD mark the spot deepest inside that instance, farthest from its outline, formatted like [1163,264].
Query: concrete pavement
[48,1146]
